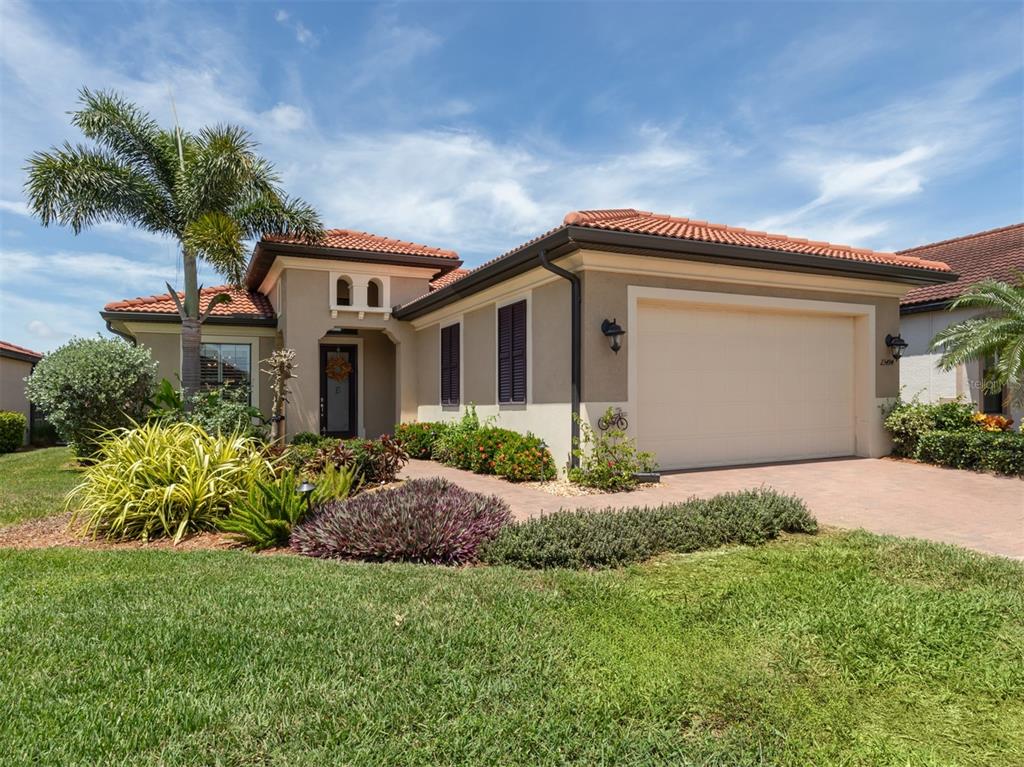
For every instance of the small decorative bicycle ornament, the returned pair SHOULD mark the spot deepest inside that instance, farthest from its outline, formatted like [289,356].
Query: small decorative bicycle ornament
[616,418]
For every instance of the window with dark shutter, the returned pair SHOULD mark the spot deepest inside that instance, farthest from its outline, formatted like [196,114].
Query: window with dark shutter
[450,365]
[512,352]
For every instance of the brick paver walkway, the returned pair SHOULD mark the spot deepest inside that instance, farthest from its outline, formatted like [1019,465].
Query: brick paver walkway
[978,511]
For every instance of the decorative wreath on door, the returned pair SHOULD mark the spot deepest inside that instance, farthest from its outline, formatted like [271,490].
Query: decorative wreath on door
[338,369]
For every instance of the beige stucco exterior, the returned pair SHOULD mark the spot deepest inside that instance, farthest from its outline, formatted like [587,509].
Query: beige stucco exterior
[13,373]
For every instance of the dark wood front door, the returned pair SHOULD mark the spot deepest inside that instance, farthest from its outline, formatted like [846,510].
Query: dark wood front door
[338,406]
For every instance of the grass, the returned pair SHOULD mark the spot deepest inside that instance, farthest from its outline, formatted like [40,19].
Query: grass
[33,483]
[842,649]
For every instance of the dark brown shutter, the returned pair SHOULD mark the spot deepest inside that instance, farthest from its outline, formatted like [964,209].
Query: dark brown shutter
[512,352]
[450,365]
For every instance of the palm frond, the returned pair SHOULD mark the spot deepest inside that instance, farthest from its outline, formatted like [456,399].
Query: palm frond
[277,214]
[223,169]
[1002,297]
[77,186]
[217,239]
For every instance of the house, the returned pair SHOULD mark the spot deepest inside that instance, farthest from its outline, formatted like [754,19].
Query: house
[16,364]
[736,347]
[996,254]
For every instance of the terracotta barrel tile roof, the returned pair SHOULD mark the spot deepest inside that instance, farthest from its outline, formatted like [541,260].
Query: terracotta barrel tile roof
[448,278]
[994,254]
[346,239]
[21,351]
[644,222]
[243,303]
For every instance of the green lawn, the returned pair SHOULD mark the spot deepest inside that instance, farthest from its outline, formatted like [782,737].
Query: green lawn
[841,649]
[33,483]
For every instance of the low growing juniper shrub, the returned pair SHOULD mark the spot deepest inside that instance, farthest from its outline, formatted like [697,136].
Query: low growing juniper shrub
[616,537]
[422,520]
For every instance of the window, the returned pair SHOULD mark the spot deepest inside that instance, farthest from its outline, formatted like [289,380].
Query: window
[373,292]
[225,364]
[450,365]
[512,352]
[991,401]
[344,292]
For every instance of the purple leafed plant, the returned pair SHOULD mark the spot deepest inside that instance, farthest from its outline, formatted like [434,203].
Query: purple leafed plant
[423,520]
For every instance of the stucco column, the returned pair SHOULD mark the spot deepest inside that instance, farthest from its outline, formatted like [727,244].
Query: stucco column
[405,372]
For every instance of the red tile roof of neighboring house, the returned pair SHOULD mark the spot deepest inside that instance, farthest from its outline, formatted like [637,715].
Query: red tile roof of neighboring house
[995,254]
[20,351]
[448,278]
[643,222]
[243,304]
[346,239]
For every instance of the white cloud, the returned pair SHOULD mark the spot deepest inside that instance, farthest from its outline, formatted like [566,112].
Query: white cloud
[286,117]
[40,329]
[17,207]
[281,16]
[302,33]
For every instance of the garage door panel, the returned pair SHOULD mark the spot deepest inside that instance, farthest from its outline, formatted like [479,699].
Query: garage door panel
[723,386]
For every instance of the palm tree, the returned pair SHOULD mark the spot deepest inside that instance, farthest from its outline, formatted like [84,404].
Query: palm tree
[998,335]
[209,190]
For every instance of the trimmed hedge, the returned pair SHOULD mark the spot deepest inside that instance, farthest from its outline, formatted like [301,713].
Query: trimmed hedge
[998,451]
[613,537]
[12,430]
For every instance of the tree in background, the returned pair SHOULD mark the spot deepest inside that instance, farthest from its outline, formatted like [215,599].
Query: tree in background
[999,335]
[209,190]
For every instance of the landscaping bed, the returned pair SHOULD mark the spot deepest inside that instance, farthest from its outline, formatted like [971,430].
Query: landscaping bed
[840,649]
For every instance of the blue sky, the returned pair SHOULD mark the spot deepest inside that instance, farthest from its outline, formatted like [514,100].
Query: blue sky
[477,126]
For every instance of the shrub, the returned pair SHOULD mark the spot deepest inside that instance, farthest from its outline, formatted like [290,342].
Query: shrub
[92,385]
[423,520]
[453,445]
[907,422]
[524,458]
[613,537]
[375,461]
[307,438]
[610,460]
[226,410]
[43,433]
[12,430]
[264,517]
[418,438]
[165,480]
[997,451]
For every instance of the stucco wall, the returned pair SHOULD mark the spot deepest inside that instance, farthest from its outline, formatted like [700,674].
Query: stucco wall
[480,360]
[605,297]
[378,383]
[12,387]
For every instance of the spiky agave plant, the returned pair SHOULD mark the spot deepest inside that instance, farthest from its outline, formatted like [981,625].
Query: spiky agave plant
[208,190]
[998,334]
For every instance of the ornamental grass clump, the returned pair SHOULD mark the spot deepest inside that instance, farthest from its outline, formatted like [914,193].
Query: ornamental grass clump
[158,480]
[423,520]
[616,537]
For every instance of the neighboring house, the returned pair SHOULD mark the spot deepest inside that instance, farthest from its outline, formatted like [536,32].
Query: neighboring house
[997,254]
[16,363]
[739,346]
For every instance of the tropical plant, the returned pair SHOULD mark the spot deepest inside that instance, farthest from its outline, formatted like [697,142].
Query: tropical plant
[164,480]
[450,445]
[209,190]
[998,335]
[422,520]
[418,438]
[226,410]
[616,537]
[609,460]
[334,483]
[91,385]
[12,430]
[375,461]
[280,366]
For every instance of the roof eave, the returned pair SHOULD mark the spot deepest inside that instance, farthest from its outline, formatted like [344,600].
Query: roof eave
[246,320]
[265,252]
[576,237]
[11,354]
[937,305]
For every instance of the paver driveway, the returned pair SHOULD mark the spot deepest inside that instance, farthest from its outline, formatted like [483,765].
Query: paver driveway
[979,511]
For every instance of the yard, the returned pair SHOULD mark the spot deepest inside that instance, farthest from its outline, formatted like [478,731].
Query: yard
[844,648]
[33,483]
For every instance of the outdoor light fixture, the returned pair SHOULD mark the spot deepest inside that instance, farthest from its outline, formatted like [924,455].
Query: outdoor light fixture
[896,345]
[306,491]
[613,331]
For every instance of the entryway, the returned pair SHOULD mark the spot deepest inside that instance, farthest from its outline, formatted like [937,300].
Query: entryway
[338,390]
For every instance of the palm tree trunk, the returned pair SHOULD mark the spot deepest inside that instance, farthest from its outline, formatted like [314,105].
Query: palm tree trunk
[191,330]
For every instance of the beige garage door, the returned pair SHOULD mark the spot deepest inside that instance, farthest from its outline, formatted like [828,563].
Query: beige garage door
[718,386]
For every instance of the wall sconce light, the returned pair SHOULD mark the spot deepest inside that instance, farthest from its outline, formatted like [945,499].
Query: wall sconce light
[613,331]
[896,345]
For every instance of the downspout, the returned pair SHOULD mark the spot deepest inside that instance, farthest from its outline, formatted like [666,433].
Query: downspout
[577,368]
[130,339]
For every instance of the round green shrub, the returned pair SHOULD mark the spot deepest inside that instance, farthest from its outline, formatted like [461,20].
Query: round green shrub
[524,458]
[91,385]
[12,430]
[307,438]
[418,438]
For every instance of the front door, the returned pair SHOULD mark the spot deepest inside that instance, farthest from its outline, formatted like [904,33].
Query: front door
[338,391]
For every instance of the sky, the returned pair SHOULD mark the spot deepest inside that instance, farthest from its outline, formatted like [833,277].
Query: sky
[478,126]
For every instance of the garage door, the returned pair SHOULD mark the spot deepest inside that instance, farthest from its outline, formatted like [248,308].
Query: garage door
[719,386]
